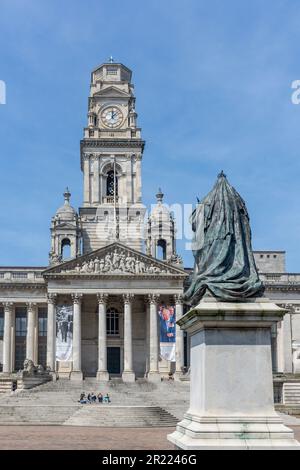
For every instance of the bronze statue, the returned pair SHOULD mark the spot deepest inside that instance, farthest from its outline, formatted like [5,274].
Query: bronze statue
[224,261]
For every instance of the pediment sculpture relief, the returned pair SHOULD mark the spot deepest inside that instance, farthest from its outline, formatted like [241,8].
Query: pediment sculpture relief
[117,262]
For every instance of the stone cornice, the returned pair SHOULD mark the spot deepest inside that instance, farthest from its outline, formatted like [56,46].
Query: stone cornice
[131,277]
[271,287]
[111,143]
[17,285]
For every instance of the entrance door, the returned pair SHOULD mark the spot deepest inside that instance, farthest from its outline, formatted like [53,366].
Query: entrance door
[114,361]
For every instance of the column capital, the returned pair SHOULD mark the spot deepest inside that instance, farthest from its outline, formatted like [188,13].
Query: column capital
[178,298]
[102,298]
[153,298]
[128,298]
[77,298]
[52,298]
[8,306]
[31,305]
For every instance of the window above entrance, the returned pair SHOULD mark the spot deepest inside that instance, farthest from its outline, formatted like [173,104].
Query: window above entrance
[112,322]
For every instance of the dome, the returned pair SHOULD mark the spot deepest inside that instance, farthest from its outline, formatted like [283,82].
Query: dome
[160,210]
[66,212]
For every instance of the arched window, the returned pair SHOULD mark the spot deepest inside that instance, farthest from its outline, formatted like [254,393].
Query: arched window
[161,249]
[66,249]
[111,182]
[112,322]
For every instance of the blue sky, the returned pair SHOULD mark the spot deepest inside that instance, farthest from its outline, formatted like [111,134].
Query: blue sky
[213,86]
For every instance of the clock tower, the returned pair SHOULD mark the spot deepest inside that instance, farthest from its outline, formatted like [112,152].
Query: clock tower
[111,156]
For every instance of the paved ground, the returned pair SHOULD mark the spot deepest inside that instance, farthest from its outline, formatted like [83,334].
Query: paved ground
[71,438]
[79,438]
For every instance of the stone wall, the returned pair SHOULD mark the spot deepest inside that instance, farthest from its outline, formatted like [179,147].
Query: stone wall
[270,261]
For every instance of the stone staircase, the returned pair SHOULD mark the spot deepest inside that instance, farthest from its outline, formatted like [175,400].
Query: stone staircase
[39,414]
[141,404]
[121,416]
[291,393]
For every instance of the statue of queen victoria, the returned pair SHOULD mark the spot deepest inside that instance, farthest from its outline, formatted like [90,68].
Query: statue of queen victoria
[224,261]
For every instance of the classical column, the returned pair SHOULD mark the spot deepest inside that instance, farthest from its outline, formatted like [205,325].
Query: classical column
[86,181]
[128,193]
[287,340]
[128,374]
[280,348]
[31,327]
[147,337]
[51,332]
[138,178]
[154,375]
[36,338]
[179,338]
[76,372]
[96,173]
[7,337]
[102,373]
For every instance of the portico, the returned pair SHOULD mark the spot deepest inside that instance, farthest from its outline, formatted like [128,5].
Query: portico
[115,313]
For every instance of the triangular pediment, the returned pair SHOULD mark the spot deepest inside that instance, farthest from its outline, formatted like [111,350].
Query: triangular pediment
[65,226]
[112,92]
[117,260]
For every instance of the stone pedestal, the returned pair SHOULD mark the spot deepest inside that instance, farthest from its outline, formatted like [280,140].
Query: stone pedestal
[128,376]
[102,376]
[76,375]
[231,401]
[154,377]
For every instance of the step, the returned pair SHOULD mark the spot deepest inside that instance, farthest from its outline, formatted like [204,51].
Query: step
[113,416]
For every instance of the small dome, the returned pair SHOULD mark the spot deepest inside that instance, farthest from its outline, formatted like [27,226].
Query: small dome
[66,212]
[160,210]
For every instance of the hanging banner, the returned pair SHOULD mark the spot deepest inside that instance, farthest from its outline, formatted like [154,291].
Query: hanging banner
[167,317]
[64,332]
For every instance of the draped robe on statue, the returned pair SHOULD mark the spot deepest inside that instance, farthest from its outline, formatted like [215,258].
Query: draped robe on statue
[224,261]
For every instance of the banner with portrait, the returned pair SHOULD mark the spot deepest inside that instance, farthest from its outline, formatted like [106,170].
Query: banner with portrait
[64,332]
[167,316]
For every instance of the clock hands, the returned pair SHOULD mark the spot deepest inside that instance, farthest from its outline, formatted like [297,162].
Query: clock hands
[112,117]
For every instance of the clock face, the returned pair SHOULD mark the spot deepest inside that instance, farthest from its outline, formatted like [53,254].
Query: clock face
[112,117]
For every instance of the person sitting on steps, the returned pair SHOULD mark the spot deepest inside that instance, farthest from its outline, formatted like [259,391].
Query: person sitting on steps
[100,397]
[82,399]
[107,399]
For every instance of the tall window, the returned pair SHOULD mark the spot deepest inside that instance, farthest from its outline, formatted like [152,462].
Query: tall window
[42,332]
[111,182]
[1,322]
[21,321]
[66,249]
[161,249]
[112,322]
[21,330]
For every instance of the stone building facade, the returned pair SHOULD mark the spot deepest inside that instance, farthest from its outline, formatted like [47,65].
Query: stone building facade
[112,268]
[98,260]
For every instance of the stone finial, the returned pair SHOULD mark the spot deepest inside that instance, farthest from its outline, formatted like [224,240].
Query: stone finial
[67,196]
[222,174]
[159,196]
